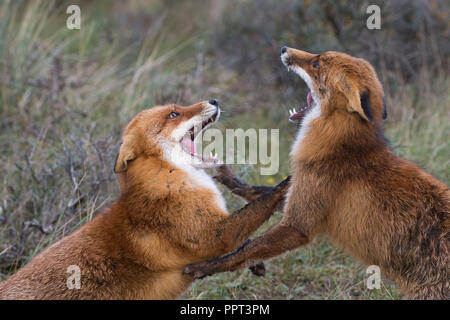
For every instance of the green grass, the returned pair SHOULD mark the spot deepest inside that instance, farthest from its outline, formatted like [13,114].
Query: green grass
[66,95]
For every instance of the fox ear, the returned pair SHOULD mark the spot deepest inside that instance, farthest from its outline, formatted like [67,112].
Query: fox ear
[126,153]
[365,105]
[357,102]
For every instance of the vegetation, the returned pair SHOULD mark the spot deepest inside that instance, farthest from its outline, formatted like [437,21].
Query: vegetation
[65,96]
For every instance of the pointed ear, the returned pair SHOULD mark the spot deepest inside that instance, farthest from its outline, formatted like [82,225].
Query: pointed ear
[365,105]
[357,102]
[126,153]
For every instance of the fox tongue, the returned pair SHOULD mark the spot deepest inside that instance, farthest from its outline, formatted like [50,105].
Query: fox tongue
[309,98]
[189,145]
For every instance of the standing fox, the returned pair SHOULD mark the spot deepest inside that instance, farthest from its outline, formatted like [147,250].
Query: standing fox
[347,184]
[170,213]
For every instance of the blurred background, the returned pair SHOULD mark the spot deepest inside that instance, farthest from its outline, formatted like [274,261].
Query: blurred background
[66,95]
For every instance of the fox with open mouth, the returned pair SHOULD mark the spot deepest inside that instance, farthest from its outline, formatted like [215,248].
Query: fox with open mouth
[170,213]
[348,185]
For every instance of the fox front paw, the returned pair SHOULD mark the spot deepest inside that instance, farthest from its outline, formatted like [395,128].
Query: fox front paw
[258,269]
[198,270]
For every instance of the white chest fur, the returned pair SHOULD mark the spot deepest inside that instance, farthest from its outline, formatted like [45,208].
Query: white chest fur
[305,127]
[197,177]
[200,179]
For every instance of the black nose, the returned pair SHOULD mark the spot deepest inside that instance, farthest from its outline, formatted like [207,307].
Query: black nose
[284,49]
[214,102]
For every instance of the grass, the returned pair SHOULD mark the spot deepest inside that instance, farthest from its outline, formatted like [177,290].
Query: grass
[66,95]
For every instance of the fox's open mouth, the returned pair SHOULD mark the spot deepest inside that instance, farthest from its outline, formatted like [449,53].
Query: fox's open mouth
[297,116]
[294,115]
[188,141]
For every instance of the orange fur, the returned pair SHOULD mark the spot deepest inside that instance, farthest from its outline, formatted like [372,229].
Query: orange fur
[165,218]
[347,184]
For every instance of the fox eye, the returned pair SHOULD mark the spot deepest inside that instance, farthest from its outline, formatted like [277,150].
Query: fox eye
[173,114]
[316,64]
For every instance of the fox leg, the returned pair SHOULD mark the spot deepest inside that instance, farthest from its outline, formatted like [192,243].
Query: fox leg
[237,227]
[226,177]
[249,193]
[225,232]
[276,241]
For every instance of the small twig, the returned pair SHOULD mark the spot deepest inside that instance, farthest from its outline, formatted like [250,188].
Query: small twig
[33,175]
[35,224]
[39,83]
[76,202]
[6,250]
[57,79]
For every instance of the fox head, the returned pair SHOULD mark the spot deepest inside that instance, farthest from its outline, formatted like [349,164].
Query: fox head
[168,132]
[337,82]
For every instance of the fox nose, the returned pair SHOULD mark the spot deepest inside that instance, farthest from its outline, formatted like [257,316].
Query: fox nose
[284,49]
[214,102]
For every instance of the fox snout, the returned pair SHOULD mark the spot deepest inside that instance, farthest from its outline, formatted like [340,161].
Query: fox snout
[294,57]
[212,106]
[202,109]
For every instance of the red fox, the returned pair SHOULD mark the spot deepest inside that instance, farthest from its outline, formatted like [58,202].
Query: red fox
[170,213]
[347,184]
